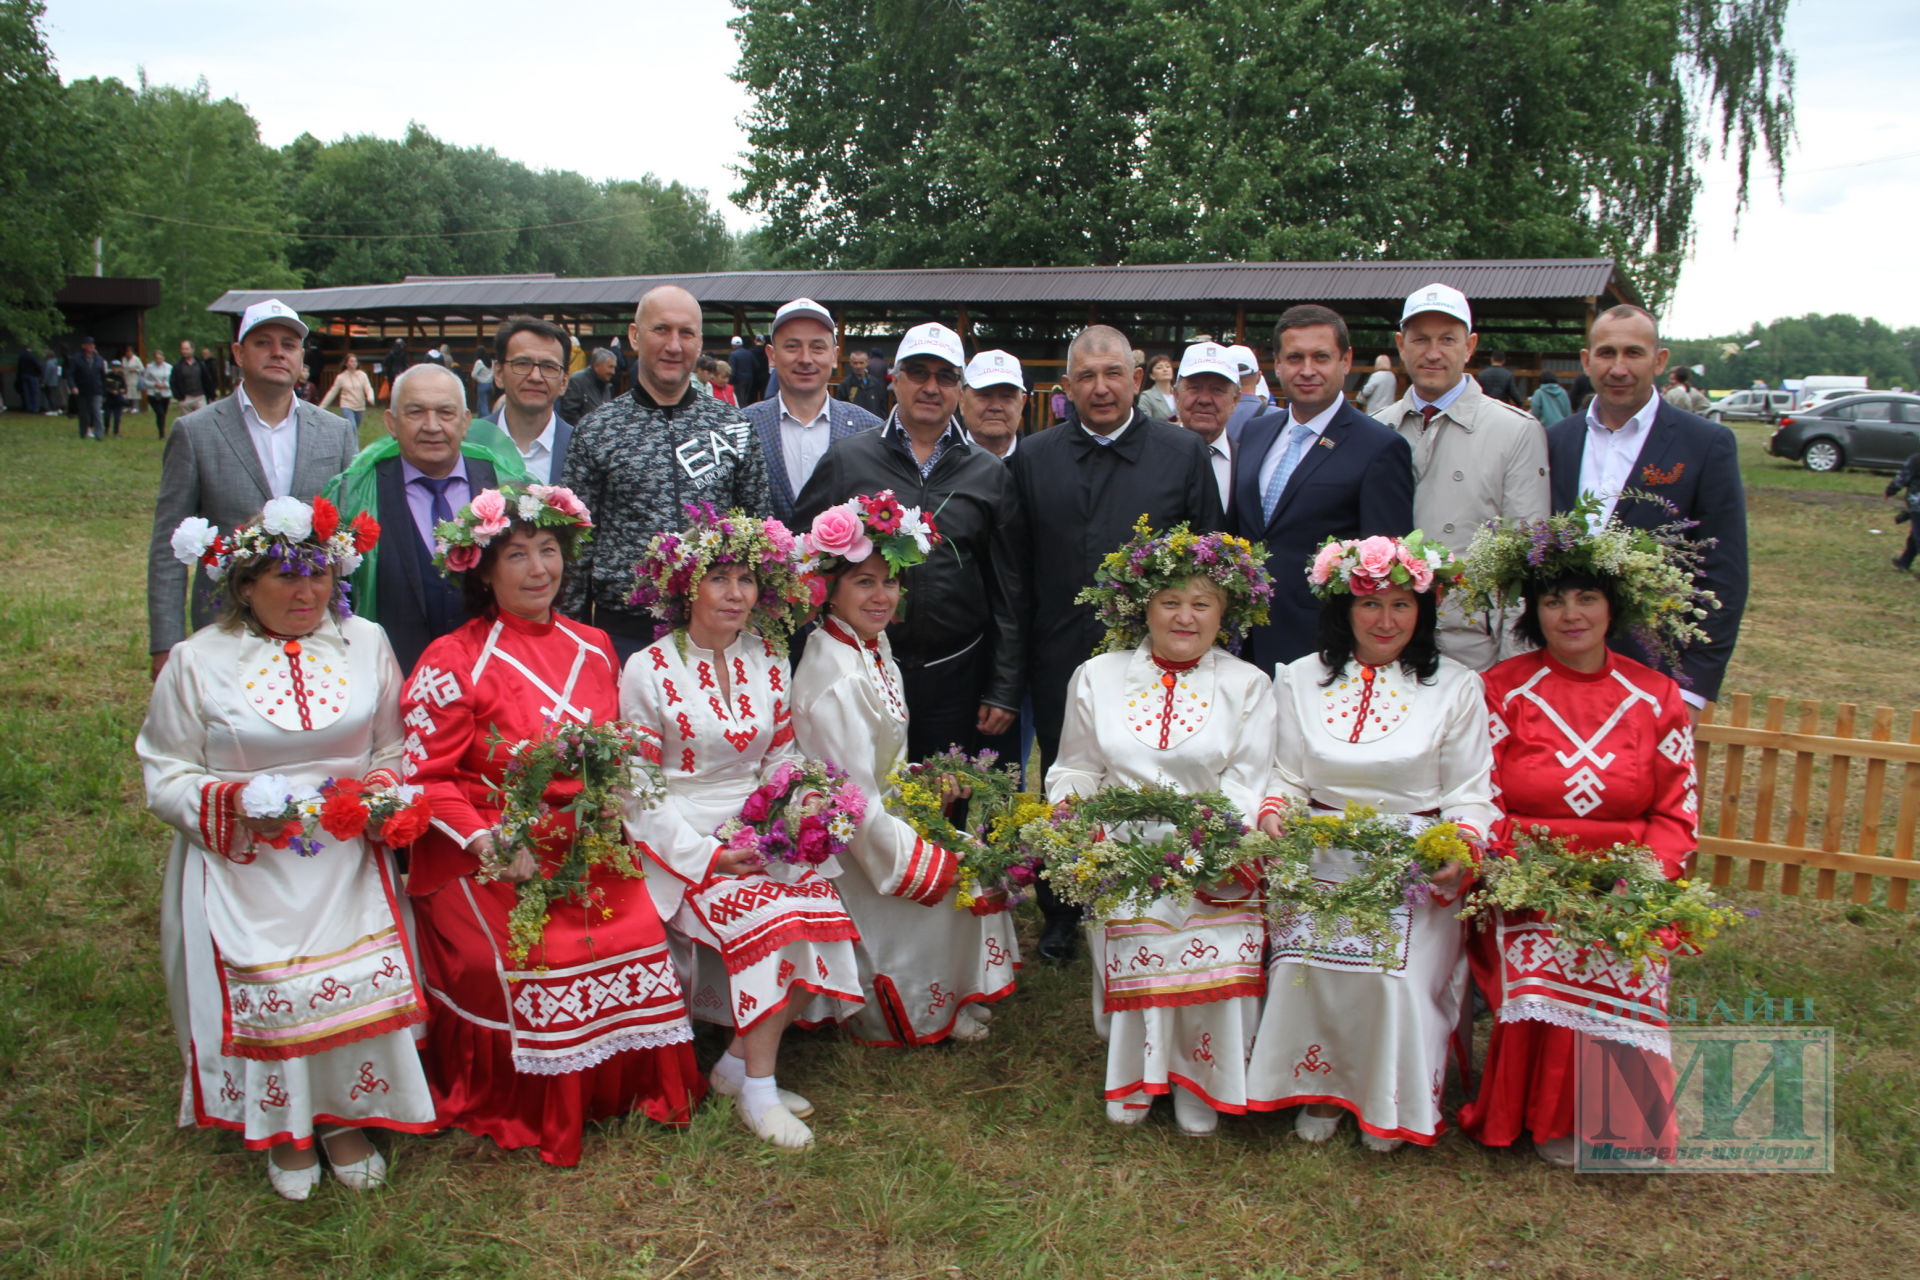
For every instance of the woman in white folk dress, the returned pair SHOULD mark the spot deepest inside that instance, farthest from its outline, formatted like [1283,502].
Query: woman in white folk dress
[927,969]
[762,947]
[292,987]
[1176,984]
[1376,717]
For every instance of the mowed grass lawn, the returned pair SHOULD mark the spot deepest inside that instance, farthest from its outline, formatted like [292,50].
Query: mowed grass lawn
[985,1160]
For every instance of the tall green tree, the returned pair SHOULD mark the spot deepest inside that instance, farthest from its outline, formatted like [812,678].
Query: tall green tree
[1801,346]
[49,167]
[201,201]
[1144,130]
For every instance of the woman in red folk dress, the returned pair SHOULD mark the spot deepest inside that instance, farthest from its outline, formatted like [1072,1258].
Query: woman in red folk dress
[767,947]
[1597,749]
[593,1024]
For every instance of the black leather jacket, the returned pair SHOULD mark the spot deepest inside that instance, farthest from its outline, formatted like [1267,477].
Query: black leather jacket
[970,588]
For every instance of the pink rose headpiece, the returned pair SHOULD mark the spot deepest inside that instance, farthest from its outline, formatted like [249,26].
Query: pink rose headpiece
[1363,566]
[858,527]
[459,542]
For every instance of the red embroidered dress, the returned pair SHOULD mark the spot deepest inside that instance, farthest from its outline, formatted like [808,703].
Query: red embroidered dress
[292,986]
[1600,758]
[766,938]
[1180,983]
[596,1026]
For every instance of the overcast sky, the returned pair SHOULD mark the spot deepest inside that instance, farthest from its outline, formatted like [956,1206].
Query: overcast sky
[643,86]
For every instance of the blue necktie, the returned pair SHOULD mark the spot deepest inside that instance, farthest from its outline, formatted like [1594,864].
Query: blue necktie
[442,510]
[1297,438]
[1102,441]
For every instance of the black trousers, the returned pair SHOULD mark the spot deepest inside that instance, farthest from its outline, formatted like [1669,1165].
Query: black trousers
[943,700]
[1913,545]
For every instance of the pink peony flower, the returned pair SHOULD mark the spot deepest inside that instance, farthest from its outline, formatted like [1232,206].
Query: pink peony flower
[489,530]
[1422,571]
[779,535]
[462,558]
[1020,874]
[839,531]
[816,589]
[1323,563]
[1376,556]
[489,507]
[756,808]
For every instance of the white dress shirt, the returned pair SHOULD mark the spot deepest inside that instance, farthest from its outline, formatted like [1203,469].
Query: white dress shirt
[537,457]
[1114,434]
[1220,454]
[275,442]
[802,442]
[1606,464]
[1317,424]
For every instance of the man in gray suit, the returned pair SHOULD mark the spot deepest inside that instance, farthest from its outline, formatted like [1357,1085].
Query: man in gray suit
[224,461]
[797,423]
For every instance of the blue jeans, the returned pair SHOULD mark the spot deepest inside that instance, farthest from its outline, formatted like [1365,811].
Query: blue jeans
[353,416]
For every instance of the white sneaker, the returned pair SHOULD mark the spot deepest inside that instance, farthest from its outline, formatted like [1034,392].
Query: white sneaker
[778,1126]
[1374,1142]
[1311,1128]
[293,1184]
[729,1088]
[1120,1113]
[970,1030]
[1196,1118]
[362,1175]
[1562,1153]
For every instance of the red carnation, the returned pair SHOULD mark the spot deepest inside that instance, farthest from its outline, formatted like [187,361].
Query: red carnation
[343,812]
[366,532]
[884,514]
[326,519]
[408,825]
[215,549]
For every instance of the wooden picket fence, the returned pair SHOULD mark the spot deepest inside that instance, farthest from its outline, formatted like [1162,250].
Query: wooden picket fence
[1766,785]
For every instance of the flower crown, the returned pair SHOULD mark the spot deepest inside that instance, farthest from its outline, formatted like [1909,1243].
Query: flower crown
[862,525]
[459,542]
[1363,566]
[298,537]
[1150,563]
[1655,573]
[676,562]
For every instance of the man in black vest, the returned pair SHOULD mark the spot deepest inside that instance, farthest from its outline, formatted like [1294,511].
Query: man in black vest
[433,474]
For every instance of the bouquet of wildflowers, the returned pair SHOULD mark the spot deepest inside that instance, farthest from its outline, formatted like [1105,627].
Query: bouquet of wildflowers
[1094,862]
[1616,899]
[609,762]
[1397,859]
[270,797]
[996,865]
[801,816]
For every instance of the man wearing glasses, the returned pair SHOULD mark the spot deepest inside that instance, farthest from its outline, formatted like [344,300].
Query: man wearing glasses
[643,456]
[530,372]
[961,639]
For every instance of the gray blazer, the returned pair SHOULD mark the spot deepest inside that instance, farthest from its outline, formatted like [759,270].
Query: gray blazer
[211,469]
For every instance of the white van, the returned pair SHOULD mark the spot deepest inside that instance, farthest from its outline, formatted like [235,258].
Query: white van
[1825,386]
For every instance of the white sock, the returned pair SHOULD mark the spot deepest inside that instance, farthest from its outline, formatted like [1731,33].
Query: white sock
[731,1068]
[758,1094]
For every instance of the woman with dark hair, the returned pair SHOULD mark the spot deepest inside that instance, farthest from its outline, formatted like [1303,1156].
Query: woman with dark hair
[593,1023]
[767,945]
[1596,749]
[928,968]
[1156,401]
[1377,718]
[292,989]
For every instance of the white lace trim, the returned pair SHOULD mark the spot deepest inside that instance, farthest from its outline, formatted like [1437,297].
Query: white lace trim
[1529,1009]
[529,1063]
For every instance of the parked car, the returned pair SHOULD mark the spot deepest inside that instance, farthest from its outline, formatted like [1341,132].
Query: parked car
[1762,406]
[1878,430]
[1830,393]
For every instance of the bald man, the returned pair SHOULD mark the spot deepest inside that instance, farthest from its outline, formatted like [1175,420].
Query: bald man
[640,458]
[1080,486]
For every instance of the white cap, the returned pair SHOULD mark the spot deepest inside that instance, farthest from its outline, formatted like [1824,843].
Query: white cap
[736,339]
[1246,361]
[1444,298]
[801,309]
[995,369]
[272,311]
[1210,357]
[933,339]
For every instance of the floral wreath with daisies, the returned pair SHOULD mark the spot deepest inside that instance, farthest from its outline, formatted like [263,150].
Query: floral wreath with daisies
[854,530]
[676,562]
[1127,579]
[1362,566]
[294,536]
[459,543]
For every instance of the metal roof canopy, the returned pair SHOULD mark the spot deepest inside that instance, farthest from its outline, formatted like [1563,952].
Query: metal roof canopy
[1555,293]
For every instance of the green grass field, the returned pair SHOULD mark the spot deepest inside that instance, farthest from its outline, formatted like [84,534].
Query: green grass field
[989,1160]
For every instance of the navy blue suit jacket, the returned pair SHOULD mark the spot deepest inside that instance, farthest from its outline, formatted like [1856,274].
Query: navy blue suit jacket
[404,575]
[844,418]
[1693,463]
[1356,481]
